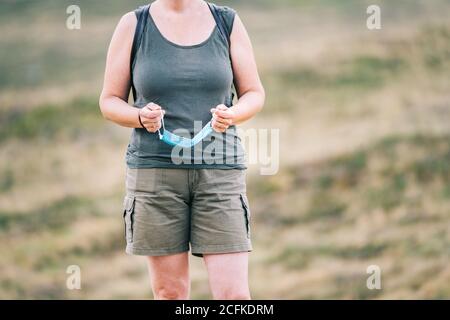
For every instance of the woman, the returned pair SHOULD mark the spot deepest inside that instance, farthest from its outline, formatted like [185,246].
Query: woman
[181,76]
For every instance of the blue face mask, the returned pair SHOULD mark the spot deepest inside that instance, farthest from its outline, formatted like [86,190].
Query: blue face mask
[176,140]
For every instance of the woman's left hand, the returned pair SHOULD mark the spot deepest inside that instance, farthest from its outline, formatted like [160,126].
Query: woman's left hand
[223,117]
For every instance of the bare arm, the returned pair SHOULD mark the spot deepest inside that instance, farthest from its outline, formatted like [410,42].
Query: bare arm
[116,86]
[246,79]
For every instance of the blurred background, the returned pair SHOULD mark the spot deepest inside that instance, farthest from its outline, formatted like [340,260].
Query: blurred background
[364,172]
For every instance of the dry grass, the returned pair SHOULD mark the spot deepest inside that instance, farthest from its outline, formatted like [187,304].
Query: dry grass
[365,149]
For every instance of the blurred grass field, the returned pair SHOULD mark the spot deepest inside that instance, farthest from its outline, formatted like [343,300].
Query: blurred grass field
[365,153]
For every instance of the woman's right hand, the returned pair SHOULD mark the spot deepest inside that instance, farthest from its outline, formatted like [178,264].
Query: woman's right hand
[150,116]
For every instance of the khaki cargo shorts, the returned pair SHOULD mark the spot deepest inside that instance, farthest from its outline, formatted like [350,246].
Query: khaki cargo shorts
[167,210]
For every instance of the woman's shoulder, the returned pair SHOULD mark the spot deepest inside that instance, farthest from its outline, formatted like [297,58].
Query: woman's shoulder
[127,22]
[227,13]
[225,10]
[123,34]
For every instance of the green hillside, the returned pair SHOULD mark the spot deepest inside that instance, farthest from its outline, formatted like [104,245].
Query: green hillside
[364,173]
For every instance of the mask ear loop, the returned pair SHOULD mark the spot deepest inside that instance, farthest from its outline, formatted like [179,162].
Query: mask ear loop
[162,123]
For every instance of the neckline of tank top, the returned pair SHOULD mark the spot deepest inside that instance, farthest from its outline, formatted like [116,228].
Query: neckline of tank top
[202,43]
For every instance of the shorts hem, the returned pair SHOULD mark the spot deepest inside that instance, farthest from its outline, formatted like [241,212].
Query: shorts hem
[199,250]
[154,252]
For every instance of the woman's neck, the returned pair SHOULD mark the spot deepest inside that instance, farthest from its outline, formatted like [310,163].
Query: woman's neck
[178,5]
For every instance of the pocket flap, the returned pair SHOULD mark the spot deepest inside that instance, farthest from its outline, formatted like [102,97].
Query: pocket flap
[128,203]
[244,201]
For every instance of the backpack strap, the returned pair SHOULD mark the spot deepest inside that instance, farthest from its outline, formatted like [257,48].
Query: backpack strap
[224,17]
[142,17]
[224,25]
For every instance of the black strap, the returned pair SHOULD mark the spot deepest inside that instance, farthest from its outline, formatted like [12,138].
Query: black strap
[225,31]
[142,17]
[142,14]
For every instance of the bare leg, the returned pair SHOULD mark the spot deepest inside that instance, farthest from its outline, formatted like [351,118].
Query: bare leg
[169,276]
[228,275]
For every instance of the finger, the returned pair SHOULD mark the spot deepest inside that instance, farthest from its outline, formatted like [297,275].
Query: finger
[151,117]
[150,109]
[153,106]
[153,128]
[217,129]
[224,114]
[151,122]
[223,121]
[151,114]
[218,125]
[221,107]
[145,112]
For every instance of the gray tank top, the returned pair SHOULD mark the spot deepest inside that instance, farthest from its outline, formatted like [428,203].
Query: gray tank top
[186,81]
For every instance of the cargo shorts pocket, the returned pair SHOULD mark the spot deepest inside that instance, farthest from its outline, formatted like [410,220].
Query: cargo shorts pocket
[247,213]
[128,211]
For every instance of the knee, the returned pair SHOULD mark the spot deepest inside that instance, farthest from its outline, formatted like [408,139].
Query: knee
[178,290]
[233,294]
